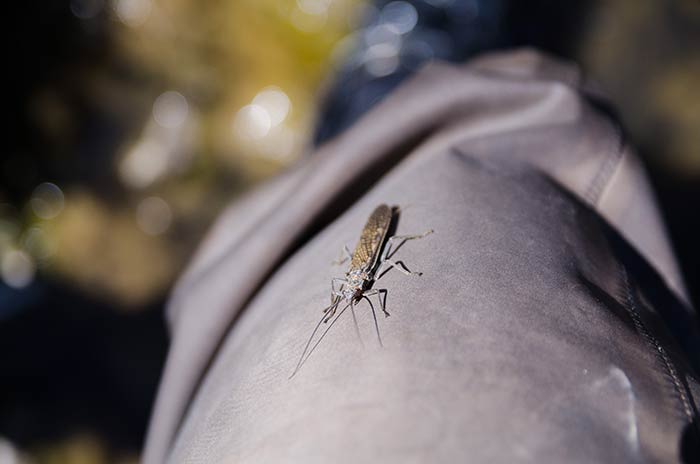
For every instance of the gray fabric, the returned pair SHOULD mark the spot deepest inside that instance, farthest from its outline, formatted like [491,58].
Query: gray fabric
[533,335]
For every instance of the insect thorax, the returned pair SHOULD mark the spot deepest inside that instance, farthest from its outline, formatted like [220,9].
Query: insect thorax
[355,283]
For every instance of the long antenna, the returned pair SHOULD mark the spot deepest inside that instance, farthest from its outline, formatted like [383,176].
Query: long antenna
[332,305]
[323,335]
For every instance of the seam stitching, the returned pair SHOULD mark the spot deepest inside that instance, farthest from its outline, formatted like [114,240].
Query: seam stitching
[658,349]
[595,189]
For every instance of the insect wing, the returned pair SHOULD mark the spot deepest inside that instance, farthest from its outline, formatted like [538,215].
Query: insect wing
[373,234]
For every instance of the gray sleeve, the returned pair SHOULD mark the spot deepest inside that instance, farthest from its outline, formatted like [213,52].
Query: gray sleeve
[550,323]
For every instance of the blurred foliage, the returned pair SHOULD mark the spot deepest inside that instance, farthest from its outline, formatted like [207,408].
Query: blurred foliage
[646,56]
[182,106]
[133,123]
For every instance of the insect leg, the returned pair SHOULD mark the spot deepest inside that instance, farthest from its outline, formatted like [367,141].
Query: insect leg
[330,310]
[374,316]
[344,256]
[401,239]
[387,264]
[336,292]
[334,280]
[354,320]
[382,302]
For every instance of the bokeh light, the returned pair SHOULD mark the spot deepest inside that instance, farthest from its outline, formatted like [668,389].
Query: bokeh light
[144,163]
[17,268]
[275,102]
[170,110]
[38,243]
[310,16]
[47,200]
[8,453]
[153,215]
[133,13]
[402,15]
[252,121]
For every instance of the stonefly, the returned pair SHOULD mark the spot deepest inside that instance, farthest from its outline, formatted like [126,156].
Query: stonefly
[370,260]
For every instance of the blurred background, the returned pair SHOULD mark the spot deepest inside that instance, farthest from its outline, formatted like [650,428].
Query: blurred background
[131,123]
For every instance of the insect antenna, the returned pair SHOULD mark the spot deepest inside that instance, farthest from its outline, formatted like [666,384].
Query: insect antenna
[302,360]
[376,325]
[332,306]
[357,327]
[320,339]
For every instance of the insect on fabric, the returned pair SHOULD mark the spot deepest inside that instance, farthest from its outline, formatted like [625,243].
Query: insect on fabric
[370,260]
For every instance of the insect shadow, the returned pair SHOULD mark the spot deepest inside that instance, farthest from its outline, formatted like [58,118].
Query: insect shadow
[371,259]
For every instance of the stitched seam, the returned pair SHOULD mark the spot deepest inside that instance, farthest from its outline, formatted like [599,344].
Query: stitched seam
[607,168]
[658,349]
